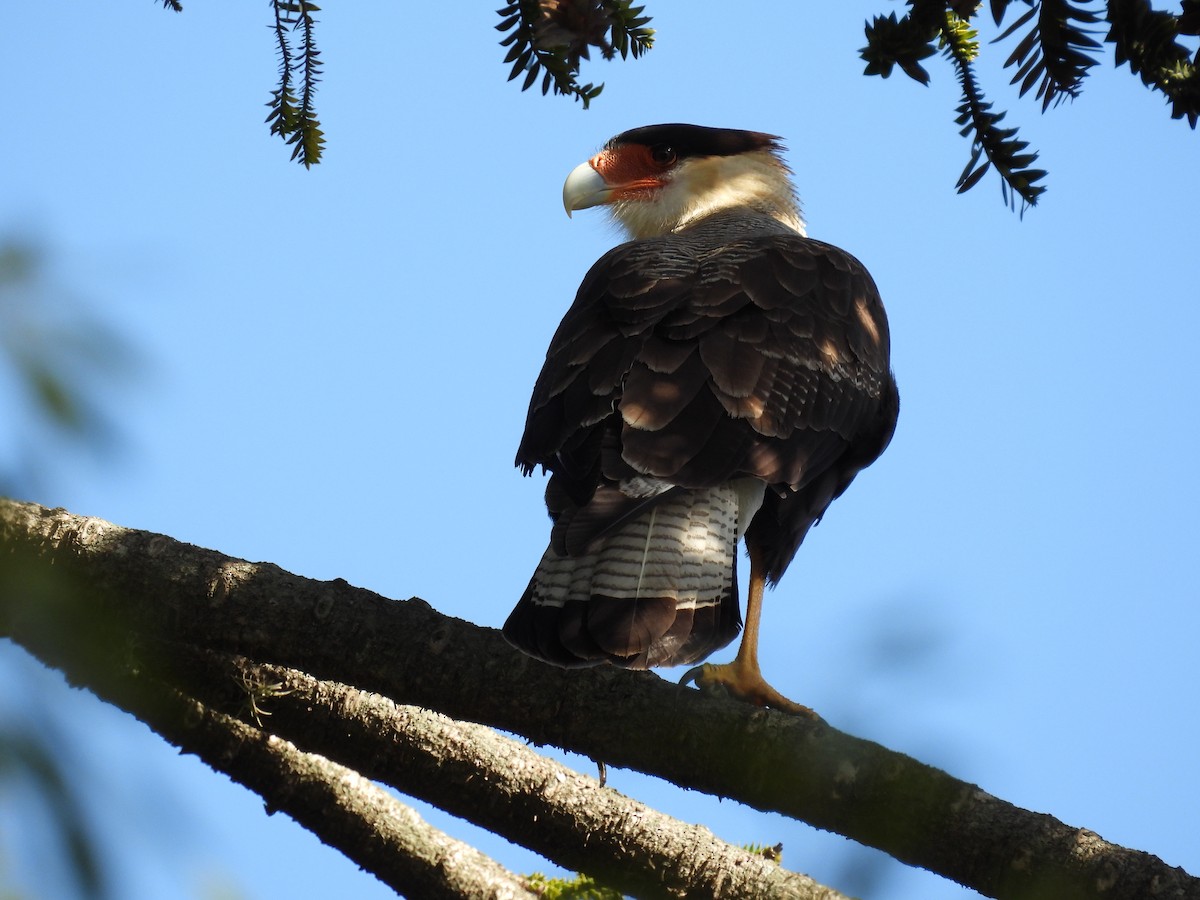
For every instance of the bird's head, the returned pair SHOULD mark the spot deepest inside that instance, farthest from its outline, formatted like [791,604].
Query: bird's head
[661,178]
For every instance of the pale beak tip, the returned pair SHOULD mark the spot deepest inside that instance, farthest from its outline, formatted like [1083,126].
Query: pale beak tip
[584,188]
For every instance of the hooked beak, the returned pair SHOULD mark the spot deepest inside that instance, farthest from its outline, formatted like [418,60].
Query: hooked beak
[585,188]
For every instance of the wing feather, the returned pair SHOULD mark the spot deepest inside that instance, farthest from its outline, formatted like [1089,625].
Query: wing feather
[735,365]
[651,400]
[735,347]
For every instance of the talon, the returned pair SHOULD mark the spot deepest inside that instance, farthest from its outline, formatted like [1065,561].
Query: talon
[709,680]
[736,679]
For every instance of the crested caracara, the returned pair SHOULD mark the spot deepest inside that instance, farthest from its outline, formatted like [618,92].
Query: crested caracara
[720,376]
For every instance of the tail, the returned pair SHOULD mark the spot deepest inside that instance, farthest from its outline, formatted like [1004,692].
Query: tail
[660,590]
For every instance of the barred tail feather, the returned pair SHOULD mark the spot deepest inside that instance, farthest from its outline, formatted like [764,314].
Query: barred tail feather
[659,590]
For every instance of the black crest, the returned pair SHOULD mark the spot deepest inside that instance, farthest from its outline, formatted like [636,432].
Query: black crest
[698,140]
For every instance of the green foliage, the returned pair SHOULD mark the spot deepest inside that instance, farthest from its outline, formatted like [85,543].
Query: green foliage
[901,42]
[581,887]
[58,361]
[1054,53]
[1146,39]
[551,38]
[772,853]
[293,117]
[29,761]
[991,145]
[928,25]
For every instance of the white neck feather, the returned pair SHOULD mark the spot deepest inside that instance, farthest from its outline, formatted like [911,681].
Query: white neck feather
[707,185]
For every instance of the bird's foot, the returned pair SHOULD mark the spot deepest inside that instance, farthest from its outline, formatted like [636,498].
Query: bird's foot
[743,682]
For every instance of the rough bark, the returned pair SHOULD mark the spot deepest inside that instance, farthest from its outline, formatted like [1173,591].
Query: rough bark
[339,805]
[145,587]
[471,771]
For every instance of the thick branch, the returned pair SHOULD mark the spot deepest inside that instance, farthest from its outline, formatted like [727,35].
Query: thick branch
[348,812]
[149,585]
[497,783]
[340,806]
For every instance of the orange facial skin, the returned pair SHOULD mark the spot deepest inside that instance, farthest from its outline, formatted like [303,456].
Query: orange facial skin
[630,170]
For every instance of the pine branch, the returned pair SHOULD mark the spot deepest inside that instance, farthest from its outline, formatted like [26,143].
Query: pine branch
[904,42]
[294,118]
[173,5]
[1146,39]
[129,589]
[551,38]
[1054,53]
[283,115]
[308,139]
[995,146]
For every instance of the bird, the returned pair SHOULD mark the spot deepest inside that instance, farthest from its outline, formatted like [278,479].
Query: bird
[720,378]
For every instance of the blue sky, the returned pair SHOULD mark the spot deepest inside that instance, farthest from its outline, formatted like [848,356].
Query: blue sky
[332,364]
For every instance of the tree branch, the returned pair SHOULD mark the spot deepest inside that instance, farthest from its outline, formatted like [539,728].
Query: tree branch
[348,812]
[340,806]
[142,586]
[472,772]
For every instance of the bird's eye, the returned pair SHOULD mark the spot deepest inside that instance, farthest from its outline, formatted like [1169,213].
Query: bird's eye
[663,154]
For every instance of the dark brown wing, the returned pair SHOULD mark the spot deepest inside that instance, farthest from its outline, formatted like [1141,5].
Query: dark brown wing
[734,348]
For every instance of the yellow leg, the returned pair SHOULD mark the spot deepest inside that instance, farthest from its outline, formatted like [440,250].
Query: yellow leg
[742,678]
